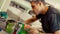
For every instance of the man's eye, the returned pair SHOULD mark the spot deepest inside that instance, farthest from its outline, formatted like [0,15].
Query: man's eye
[33,6]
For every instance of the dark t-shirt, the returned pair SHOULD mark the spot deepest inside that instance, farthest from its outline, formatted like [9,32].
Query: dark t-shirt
[51,20]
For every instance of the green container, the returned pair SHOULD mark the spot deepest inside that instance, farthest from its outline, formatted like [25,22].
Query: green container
[3,14]
[22,31]
[9,27]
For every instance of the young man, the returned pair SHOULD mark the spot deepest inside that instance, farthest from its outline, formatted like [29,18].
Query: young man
[50,17]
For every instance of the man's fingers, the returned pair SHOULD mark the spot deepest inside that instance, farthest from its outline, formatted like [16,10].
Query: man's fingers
[26,26]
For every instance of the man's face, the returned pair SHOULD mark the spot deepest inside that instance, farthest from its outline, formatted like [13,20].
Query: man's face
[38,7]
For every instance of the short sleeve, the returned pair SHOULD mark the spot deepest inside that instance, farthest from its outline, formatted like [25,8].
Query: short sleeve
[55,23]
[39,16]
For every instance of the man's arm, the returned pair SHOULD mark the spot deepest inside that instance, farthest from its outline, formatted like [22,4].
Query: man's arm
[57,32]
[34,18]
[30,20]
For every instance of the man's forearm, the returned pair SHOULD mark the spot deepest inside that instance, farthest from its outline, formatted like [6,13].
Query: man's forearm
[57,32]
[30,20]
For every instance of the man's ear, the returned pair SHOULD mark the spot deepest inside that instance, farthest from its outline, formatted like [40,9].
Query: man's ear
[41,3]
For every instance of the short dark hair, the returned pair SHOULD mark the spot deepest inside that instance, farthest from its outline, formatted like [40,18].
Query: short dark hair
[36,1]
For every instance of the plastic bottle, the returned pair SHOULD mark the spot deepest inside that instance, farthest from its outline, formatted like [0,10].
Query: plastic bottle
[22,30]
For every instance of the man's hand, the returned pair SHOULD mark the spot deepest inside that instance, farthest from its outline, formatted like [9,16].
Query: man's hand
[26,26]
[33,31]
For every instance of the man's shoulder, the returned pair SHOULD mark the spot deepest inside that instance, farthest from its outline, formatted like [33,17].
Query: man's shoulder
[53,10]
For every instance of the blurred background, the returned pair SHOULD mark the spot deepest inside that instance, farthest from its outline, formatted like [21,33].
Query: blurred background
[19,9]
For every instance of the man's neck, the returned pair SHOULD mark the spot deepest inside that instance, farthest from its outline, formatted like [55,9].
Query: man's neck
[45,10]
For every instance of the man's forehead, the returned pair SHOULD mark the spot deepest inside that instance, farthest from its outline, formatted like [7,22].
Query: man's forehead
[35,0]
[32,0]
[33,3]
